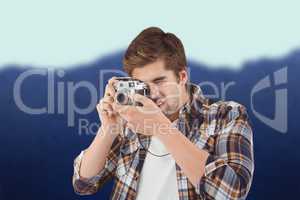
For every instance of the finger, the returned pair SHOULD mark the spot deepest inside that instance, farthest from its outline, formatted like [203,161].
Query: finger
[109,90]
[112,80]
[119,108]
[142,99]
[149,107]
[108,106]
[104,106]
[125,111]
[100,111]
[110,86]
[108,99]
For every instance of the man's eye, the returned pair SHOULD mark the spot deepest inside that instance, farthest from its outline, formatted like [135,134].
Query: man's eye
[158,82]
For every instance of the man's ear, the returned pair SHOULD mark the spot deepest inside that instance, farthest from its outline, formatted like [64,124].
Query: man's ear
[183,77]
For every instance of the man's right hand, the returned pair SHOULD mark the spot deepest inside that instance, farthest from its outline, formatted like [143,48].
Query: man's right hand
[111,122]
[95,156]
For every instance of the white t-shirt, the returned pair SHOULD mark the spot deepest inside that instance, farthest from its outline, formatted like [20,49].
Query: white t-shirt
[158,180]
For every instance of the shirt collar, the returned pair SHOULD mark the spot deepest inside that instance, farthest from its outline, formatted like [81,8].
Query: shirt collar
[196,102]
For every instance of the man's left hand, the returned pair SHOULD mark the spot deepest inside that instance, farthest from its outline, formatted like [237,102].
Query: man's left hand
[147,119]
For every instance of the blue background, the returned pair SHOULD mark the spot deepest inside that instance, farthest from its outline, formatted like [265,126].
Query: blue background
[37,151]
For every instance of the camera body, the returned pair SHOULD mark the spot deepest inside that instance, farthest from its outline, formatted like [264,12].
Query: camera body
[126,87]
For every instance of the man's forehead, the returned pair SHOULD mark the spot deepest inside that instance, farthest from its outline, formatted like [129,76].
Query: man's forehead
[152,76]
[149,71]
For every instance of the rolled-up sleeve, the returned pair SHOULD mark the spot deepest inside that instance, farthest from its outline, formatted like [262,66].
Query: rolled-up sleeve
[87,186]
[229,170]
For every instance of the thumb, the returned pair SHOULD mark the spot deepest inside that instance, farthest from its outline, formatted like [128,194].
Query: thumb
[142,99]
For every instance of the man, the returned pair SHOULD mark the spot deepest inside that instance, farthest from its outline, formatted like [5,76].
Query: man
[178,145]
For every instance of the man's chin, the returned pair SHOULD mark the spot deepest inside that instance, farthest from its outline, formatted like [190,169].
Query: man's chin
[171,114]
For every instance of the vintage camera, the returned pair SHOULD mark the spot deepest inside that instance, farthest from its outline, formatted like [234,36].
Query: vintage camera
[127,86]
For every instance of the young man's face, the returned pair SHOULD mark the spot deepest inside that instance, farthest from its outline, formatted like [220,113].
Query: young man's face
[166,89]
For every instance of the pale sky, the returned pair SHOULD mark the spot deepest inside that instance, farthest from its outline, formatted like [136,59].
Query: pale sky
[64,33]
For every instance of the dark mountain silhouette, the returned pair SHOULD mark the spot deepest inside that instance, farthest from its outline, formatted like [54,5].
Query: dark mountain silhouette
[37,151]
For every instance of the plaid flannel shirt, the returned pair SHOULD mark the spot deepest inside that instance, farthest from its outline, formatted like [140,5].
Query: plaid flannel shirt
[221,128]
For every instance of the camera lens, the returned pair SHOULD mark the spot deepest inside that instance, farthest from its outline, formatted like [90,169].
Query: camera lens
[121,98]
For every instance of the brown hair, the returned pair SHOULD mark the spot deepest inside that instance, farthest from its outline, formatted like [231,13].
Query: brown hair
[153,44]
